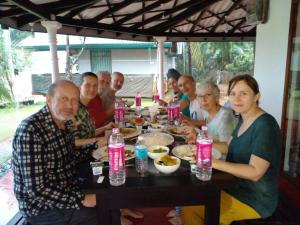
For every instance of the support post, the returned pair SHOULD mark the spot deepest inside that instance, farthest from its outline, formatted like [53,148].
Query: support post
[160,63]
[52,27]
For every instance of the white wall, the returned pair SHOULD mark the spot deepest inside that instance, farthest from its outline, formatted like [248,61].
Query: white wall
[271,55]
[136,61]
[41,62]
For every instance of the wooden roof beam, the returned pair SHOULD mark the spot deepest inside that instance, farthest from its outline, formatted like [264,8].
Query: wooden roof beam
[32,8]
[141,11]
[195,23]
[167,12]
[79,8]
[238,25]
[116,8]
[229,11]
[200,5]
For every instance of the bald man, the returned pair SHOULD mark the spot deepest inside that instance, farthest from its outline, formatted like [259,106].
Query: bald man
[117,81]
[44,162]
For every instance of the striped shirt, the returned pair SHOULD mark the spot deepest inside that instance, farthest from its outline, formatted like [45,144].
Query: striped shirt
[44,160]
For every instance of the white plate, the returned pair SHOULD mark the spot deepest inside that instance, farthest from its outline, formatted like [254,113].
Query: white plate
[101,153]
[188,152]
[133,134]
[157,138]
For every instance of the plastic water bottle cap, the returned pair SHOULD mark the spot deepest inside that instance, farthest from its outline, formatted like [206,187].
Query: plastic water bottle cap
[204,128]
[115,130]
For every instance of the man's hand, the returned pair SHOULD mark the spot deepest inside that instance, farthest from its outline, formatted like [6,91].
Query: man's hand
[191,134]
[89,200]
[110,126]
[101,141]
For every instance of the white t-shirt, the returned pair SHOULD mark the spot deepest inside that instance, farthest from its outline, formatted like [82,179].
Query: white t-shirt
[196,113]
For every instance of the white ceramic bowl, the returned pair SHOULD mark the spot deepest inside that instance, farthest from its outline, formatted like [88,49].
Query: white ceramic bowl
[155,155]
[167,169]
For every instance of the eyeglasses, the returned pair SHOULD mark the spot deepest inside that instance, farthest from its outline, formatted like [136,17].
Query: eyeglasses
[205,95]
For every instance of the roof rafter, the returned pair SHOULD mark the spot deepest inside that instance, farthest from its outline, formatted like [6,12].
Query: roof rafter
[238,25]
[76,10]
[229,11]
[167,12]
[24,20]
[32,8]
[141,11]
[195,23]
[115,8]
[198,5]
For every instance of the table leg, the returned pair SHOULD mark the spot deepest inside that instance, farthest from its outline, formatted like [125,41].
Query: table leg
[116,217]
[212,209]
[104,217]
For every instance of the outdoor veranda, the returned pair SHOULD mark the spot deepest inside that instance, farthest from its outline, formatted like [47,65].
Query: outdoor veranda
[271,41]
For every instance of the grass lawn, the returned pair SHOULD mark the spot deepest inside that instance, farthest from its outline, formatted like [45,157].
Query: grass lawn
[11,117]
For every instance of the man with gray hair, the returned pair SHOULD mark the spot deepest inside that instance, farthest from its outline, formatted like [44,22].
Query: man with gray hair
[44,162]
[117,81]
[104,79]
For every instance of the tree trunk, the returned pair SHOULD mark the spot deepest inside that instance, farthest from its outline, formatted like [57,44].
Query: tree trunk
[68,61]
[10,67]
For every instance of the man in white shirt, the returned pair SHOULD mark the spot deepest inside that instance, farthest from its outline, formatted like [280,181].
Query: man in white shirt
[187,85]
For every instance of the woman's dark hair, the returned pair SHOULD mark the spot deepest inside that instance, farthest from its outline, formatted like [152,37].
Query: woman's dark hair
[172,73]
[87,74]
[249,80]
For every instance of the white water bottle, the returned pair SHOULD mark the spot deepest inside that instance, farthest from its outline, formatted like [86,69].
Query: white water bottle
[204,155]
[141,157]
[116,154]
[119,113]
[138,103]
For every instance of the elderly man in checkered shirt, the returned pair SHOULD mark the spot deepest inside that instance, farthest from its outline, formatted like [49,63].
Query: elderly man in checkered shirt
[44,159]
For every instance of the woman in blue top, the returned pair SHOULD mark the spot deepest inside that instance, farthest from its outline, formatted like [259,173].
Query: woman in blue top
[253,156]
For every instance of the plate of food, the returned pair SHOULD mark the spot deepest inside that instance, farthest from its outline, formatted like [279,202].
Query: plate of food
[102,153]
[129,132]
[157,138]
[188,152]
[176,131]
[156,127]
[137,121]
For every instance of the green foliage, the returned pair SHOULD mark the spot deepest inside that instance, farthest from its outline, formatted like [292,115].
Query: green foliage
[20,58]
[209,57]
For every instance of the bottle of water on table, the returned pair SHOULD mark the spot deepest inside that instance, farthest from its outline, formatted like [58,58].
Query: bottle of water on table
[119,113]
[141,157]
[176,112]
[138,103]
[204,155]
[116,154]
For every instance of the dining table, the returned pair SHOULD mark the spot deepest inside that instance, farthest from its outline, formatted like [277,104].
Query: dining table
[154,189]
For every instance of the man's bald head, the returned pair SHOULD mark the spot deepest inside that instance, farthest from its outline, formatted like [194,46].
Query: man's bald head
[63,100]
[104,80]
[117,81]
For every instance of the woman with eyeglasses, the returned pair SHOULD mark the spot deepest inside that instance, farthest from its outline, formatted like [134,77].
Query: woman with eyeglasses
[220,120]
[253,156]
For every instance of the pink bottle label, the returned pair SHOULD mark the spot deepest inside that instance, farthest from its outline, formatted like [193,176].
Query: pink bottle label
[204,153]
[116,158]
[156,97]
[119,114]
[176,112]
[170,113]
[138,101]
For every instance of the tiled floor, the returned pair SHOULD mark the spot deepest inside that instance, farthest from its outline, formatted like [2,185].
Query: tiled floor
[9,206]
[8,202]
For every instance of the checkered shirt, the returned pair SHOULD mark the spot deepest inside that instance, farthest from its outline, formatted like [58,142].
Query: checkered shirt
[44,160]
